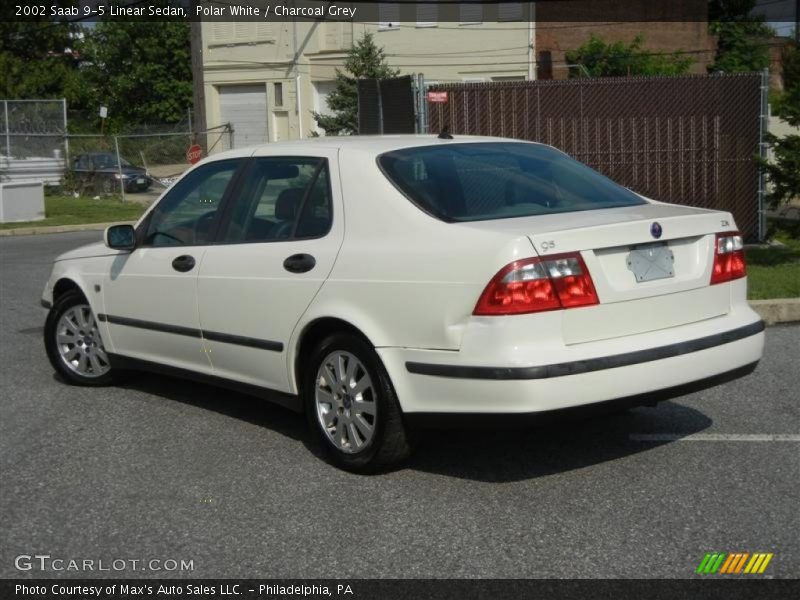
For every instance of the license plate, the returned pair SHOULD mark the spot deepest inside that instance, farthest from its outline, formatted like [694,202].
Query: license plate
[140,181]
[651,261]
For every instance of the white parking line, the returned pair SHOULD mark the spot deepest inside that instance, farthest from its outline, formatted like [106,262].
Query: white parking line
[714,437]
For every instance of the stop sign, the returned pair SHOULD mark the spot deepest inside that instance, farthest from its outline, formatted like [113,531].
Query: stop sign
[194,153]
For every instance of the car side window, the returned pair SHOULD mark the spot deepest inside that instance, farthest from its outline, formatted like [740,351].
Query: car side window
[185,216]
[282,198]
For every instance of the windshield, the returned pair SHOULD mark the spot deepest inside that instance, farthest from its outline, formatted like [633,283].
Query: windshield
[499,180]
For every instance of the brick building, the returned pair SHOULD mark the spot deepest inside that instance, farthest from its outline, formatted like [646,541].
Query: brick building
[679,26]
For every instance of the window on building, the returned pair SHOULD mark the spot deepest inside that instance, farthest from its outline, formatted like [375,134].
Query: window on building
[322,89]
[278,87]
[470,12]
[427,15]
[544,65]
[388,16]
[510,11]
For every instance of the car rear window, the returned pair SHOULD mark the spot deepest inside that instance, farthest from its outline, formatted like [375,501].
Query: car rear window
[499,180]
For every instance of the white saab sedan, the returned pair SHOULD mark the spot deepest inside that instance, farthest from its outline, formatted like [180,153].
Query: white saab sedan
[378,282]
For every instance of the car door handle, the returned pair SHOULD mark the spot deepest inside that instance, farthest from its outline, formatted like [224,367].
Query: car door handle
[183,263]
[299,263]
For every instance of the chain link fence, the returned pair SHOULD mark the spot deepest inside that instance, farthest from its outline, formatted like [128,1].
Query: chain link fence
[35,145]
[32,143]
[136,166]
[688,140]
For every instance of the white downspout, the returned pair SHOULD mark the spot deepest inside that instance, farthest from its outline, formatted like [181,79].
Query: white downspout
[297,101]
[531,41]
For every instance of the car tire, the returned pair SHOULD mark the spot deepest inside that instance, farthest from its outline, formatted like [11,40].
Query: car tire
[352,407]
[73,343]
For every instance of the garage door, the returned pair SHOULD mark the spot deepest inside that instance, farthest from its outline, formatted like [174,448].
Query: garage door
[245,108]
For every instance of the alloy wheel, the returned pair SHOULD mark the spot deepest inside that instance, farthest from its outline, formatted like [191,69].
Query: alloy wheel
[79,344]
[345,401]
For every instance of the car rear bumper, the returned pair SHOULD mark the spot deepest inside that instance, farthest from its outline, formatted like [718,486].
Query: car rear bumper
[430,381]
[588,365]
[538,418]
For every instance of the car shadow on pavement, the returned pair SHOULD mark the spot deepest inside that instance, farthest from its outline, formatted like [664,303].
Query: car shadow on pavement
[560,446]
[225,402]
[488,455]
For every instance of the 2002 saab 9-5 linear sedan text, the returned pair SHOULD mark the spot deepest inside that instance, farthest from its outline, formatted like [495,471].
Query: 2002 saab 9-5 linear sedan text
[378,282]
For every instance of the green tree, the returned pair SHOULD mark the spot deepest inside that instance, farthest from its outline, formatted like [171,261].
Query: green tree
[140,70]
[364,61]
[783,172]
[787,103]
[34,57]
[597,58]
[742,38]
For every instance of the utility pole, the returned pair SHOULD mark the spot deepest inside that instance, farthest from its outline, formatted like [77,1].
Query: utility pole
[198,82]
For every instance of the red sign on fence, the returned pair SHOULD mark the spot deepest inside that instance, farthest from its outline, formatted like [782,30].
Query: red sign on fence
[439,97]
[194,153]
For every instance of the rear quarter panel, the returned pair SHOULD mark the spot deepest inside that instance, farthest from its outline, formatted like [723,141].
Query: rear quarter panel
[403,277]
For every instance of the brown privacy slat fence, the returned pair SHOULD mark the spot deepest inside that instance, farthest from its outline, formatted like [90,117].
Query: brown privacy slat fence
[689,140]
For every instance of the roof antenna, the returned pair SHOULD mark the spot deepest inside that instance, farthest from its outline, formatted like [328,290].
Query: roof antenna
[444,134]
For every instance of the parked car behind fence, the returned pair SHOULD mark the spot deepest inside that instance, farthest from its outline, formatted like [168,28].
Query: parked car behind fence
[103,172]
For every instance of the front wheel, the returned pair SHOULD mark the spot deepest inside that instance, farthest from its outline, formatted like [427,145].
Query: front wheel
[73,343]
[352,407]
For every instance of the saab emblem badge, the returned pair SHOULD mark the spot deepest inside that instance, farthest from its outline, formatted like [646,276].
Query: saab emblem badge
[656,230]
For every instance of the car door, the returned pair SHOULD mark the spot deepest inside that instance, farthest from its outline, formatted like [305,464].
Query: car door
[150,294]
[276,246]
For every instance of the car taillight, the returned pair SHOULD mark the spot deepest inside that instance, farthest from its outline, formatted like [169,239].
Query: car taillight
[728,258]
[538,284]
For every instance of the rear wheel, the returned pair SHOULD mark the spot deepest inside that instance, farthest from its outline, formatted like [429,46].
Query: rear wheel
[352,407]
[73,343]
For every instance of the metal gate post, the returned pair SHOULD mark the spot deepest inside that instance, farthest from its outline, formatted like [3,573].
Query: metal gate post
[66,134]
[762,153]
[8,133]
[119,168]
[380,107]
[422,105]
[418,96]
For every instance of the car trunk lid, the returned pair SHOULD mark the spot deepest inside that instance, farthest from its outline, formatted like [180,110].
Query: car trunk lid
[650,265]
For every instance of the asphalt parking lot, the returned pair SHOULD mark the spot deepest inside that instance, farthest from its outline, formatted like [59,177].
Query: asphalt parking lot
[165,469]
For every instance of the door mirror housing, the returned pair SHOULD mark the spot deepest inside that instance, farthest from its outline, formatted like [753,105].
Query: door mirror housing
[120,237]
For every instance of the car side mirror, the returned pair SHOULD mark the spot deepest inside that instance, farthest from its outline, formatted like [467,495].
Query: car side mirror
[120,237]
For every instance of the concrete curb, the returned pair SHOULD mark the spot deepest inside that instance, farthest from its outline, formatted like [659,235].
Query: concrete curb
[780,310]
[60,228]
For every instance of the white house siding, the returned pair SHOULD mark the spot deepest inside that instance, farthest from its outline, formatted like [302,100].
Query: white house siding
[262,55]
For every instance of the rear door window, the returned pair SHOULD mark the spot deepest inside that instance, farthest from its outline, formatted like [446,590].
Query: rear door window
[281,198]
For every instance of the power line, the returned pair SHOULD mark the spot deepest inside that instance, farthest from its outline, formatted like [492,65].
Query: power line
[338,62]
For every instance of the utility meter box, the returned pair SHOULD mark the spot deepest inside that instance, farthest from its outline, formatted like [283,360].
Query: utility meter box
[21,201]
